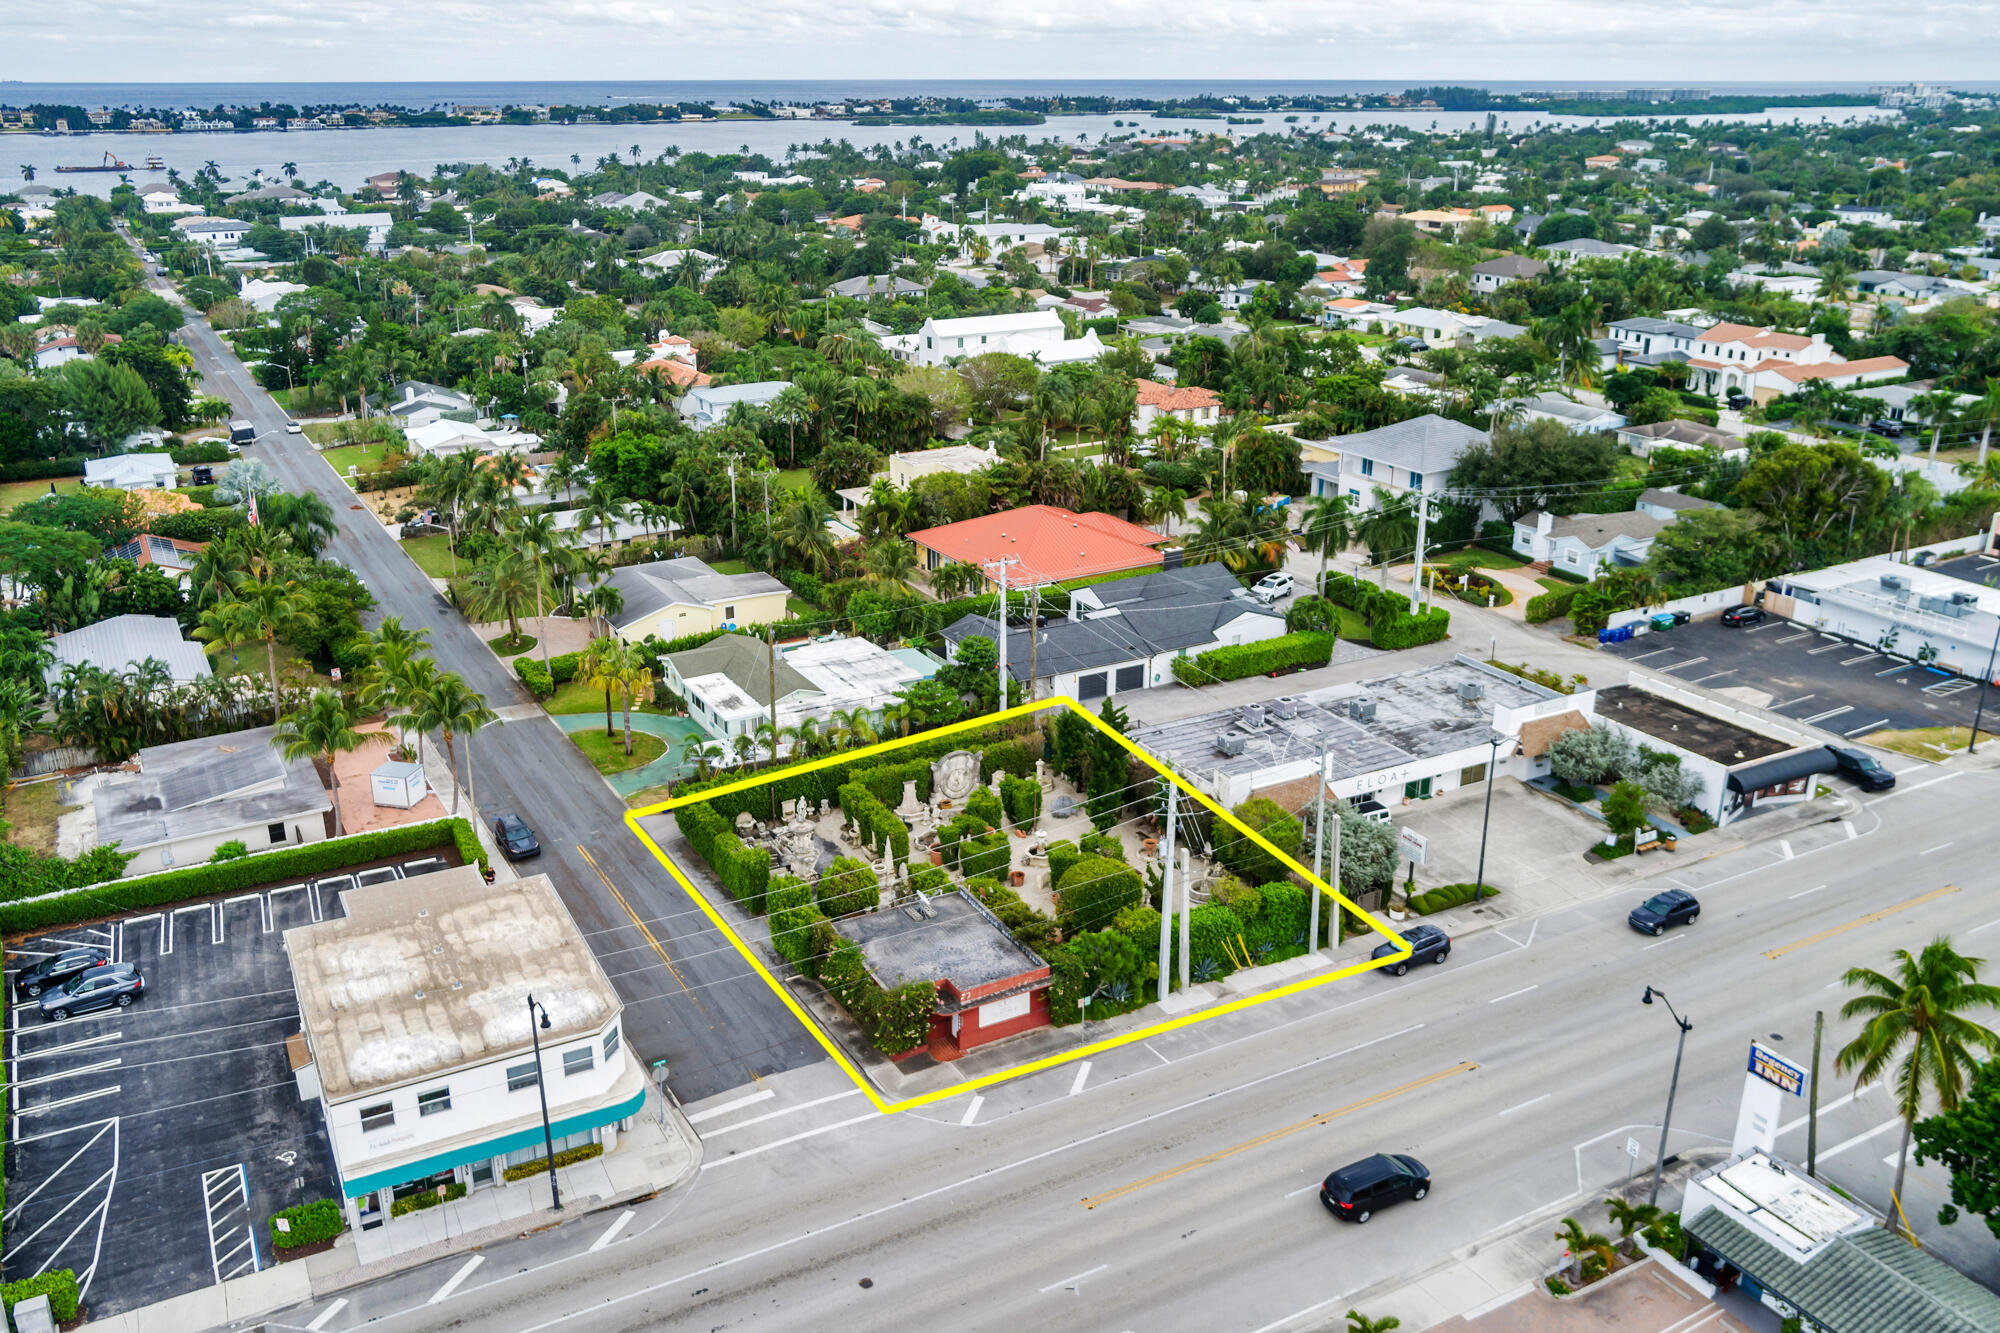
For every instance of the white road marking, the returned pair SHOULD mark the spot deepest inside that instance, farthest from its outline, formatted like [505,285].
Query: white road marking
[1657,943]
[1655,653]
[452,1283]
[779,1143]
[1785,849]
[712,1112]
[325,1317]
[99,1067]
[1149,1046]
[1692,661]
[1530,1102]
[773,1115]
[1825,648]
[1831,712]
[1303,1188]
[1512,993]
[1866,727]
[1905,791]
[1793,638]
[58,1049]
[1072,1282]
[611,1232]
[1803,892]
[1988,926]
[1789,702]
[1852,831]
[1865,657]
[1861,1138]
[1928,850]
[972,1109]
[67,1101]
[1833,1105]
[1713,675]
[1082,1074]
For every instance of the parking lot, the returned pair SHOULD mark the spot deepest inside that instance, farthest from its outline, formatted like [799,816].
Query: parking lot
[1836,684]
[150,1144]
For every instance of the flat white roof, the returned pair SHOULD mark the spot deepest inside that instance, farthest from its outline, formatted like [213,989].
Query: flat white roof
[1787,1208]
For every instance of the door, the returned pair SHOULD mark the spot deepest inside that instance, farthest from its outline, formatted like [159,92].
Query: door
[1091,686]
[1131,678]
[1418,790]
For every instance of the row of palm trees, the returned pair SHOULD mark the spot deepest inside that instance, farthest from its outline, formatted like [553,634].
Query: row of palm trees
[810,737]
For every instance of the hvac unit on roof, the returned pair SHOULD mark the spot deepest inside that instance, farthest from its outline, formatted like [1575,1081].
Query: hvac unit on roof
[1286,705]
[1469,690]
[1253,716]
[1231,743]
[1361,709]
[1895,583]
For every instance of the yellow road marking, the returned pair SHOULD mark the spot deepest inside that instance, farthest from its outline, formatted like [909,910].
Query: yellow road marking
[1312,1122]
[1859,922]
[584,852]
[839,1056]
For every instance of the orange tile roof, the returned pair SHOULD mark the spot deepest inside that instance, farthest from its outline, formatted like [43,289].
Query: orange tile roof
[1755,337]
[852,222]
[1872,365]
[1049,544]
[1175,398]
[676,370]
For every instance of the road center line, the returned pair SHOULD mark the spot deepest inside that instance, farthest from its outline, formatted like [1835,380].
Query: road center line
[1858,922]
[1530,1102]
[611,1232]
[1512,993]
[1988,926]
[452,1283]
[1071,1282]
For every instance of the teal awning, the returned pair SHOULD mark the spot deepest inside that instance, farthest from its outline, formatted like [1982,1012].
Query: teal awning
[478,1152]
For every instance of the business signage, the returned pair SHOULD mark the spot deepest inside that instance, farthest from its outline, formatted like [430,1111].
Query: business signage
[1775,1069]
[1412,845]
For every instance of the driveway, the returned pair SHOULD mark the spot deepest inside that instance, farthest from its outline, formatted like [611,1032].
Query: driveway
[1534,846]
[1641,1299]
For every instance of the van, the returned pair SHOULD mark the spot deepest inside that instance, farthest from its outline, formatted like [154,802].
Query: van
[242,432]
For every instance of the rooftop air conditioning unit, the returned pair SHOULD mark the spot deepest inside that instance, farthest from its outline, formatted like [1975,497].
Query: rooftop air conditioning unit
[1253,716]
[1468,690]
[1965,598]
[1231,743]
[1362,709]
[1287,706]
[1895,583]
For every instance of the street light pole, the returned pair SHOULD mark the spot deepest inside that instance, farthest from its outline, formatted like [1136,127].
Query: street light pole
[1660,1162]
[1486,820]
[1319,853]
[542,1090]
[1972,744]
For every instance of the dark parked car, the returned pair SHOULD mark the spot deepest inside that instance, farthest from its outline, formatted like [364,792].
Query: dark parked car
[516,839]
[1427,944]
[99,988]
[1863,768]
[51,972]
[1674,907]
[1744,615]
[1361,1189]
[1884,426]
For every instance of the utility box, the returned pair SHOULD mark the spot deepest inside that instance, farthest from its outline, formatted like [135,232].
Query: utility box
[32,1316]
[398,785]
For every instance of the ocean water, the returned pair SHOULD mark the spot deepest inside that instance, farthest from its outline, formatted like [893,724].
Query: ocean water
[347,157]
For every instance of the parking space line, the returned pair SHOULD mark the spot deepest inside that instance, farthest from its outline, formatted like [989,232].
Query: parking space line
[1928,850]
[1890,671]
[216,936]
[1827,648]
[115,1061]
[1789,702]
[312,897]
[1831,712]
[1944,689]
[1854,661]
[1655,653]
[24,1200]
[1867,727]
[452,1283]
[60,1047]
[325,1317]
[1714,675]
[20,1111]
[1793,638]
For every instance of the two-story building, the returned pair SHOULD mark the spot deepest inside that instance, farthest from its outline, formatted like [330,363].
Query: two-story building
[1193,405]
[1037,335]
[1763,364]
[1409,457]
[1493,274]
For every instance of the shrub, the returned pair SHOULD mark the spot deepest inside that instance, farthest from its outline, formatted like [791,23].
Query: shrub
[43,469]
[1284,653]
[899,1020]
[1213,945]
[1016,757]
[428,1199]
[199,525]
[849,886]
[701,825]
[1062,855]
[1095,889]
[1022,799]
[793,915]
[174,886]
[567,1157]
[986,805]
[536,677]
[564,666]
[1447,895]
[878,824]
[1549,606]
[59,1285]
[885,782]
[953,833]
[986,854]
[930,879]
[1101,844]
[745,871]
[1548,680]
[200,451]
[1407,631]
[308,1224]
[1242,856]
[228,851]
[1665,1233]
[1238,897]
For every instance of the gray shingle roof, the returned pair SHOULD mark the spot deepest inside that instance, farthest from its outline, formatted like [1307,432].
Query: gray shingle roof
[1866,1282]
[689,581]
[1653,495]
[1512,266]
[1598,530]
[1429,443]
[747,662]
[122,642]
[212,785]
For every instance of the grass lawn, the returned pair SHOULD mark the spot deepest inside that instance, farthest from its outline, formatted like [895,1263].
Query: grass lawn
[14,493]
[360,457]
[575,697]
[249,660]
[1932,743]
[791,479]
[609,754]
[730,566]
[433,555]
[795,606]
[511,645]
[649,796]
[1482,557]
[32,809]
[1352,627]
[1554,584]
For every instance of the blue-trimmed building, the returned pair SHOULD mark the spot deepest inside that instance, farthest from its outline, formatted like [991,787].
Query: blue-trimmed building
[419,1042]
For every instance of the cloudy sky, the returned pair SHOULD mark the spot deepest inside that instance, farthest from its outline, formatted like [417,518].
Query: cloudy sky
[1681,41]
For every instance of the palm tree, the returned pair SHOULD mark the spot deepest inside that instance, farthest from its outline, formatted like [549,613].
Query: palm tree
[701,752]
[1983,413]
[1589,1253]
[452,708]
[1388,530]
[1936,408]
[1630,1217]
[891,564]
[535,533]
[1328,527]
[790,409]
[257,611]
[1921,1008]
[508,587]
[601,509]
[324,730]
[800,530]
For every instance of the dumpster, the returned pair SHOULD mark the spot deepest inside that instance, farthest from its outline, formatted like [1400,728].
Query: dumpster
[1662,622]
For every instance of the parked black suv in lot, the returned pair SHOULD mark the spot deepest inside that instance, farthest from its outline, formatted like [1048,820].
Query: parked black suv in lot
[1744,615]
[1427,944]
[1868,774]
[516,839]
[1674,907]
[51,972]
[99,988]
[1361,1189]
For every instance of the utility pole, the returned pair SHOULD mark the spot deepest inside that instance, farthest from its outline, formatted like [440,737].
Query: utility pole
[1167,897]
[732,502]
[1812,1097]
[1666,1122]
[1034,634]
[1001,565]
[1417,571]
[1187,911]
[771,639]
[1319,854]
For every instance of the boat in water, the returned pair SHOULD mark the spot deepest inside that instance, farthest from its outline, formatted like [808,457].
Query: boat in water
[156,164]
[109,163]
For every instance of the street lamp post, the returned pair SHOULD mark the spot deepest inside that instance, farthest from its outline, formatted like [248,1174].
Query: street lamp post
[1485,820]
[1972,743]
[1660,1162]
[542,1090]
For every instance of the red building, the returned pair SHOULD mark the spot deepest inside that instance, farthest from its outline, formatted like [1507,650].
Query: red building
[989,984]
[1048,544]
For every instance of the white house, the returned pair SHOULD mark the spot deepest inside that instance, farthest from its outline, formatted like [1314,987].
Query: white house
[1553,406]
[1445,327]
[1764,364]
[1492,275]
[1743,762]
[709,405]
[1649,341]
[420,1035]
[122,643]
[1196,406]
[670,261]
[1038,335]
[127,472]
[263,296]
[1410,456]
[998,236]
[1584,544]
[730,682]
[444,437]
[213,232]
[375,224]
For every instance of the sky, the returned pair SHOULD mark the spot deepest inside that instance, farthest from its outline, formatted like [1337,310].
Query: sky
[1678,41]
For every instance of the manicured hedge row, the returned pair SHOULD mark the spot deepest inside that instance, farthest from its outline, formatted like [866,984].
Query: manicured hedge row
[173,886]
[879,826]
[885,783]
[59,1285]
[416,1203]
[848,886]
[307,1224]
[1023,799]
[745,872]
[1447,895]
[1549,606]
[1016,757]
[1404,630]
[43,469]
[793,915]
[534,676]
[1390,623]
[1308,648]
[567,1157]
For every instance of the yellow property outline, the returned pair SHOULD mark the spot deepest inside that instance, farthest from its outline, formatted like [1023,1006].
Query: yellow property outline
[833,1049]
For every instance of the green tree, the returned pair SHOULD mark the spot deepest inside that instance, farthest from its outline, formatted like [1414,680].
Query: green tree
[324,730]
[1706,549]
[1533,465]
[507,587]
[1963,1138]
[1625,808]
[452,708]
[266,611]
[1328,528]
[110,400]
[1917,1034]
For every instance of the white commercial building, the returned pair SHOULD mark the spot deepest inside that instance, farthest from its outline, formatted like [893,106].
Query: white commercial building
[419,1006]
[1895,608]
[1037,335]
[729,681]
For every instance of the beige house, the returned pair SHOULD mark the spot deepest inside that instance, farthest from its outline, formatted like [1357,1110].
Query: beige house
[672,598]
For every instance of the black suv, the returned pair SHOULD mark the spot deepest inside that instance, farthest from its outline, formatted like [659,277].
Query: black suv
[1427,944]
[1361,1189]
[99,988]
[517,840]
[1744,615]
[1863,768]
[32,981]
[1674,907]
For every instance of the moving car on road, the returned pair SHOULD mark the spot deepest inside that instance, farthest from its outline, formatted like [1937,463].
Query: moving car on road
[1361,1189]
[1674,907]
[1271,587]
[51,972]
[1868,774]
[517,840]
[99,988]
[1427,944]
[1744,615]
[294,428]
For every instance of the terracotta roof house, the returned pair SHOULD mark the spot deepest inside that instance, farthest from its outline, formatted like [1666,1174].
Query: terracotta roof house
[1047,544]
[1200,407]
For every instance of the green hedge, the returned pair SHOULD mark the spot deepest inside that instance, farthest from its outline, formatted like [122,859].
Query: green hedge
[59,1285]
[534,675]
[745,871]
[1308,648]
[878,824]
[416,1203]
[43,469]
[1062,855]
[986,805]
[988,854]
[1016,757]
[567,1157]
[1447,895]
[1404,630]
[1550,606]
[793,915]
[885,782]
[200,451]
[1023,799]
[1391,626]
[203,881]
[309,1223]
[1095,889]
[564,666]
[848,886]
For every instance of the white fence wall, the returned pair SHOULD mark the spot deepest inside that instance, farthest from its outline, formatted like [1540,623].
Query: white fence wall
[1700,604]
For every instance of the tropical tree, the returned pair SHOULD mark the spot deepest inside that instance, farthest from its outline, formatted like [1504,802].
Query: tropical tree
[700,751]
[610,664]
[891,564]
[1938,409]
[1916,1022]
[1328,528]
[800,530]
[452,708]
[507,587]
[257,611]
[1388,531]
[1630,1217]
[549,547]
[324,730]
[1588,1252]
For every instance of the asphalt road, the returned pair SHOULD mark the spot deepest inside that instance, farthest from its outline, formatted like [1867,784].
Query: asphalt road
[700,1009]
[1171,1185]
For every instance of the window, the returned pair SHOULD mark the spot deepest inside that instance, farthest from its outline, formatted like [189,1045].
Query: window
[1471,775]
[579,1061]
[1367,467]
[1416,481]
[610,1044]
[729,613]
[523,1076]
[1572,557]
[435,1102]
[276,833]
[378,1117]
